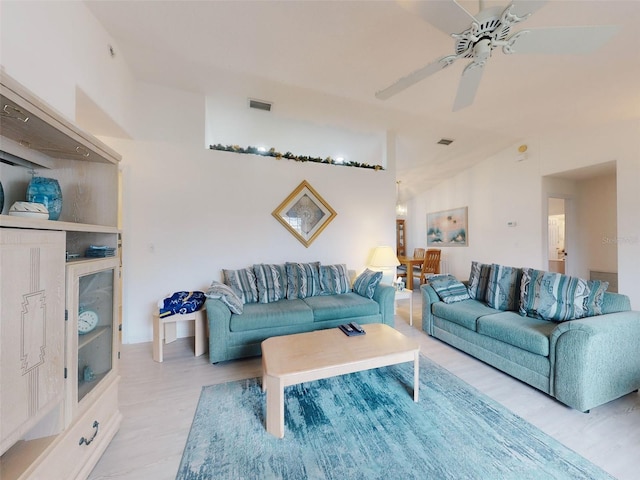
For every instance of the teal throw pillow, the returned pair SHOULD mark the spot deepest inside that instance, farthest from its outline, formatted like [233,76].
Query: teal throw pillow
[334,279]
[303,280]
[271,281]
[226,295]
[243,283]
[478,280]
[555,297]
[593,305]
[366,283]
[449,288]
[503,288]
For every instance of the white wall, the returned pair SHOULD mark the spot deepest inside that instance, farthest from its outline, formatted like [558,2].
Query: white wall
[188,211]
[55,47]
[497,191]
[500,189]
[598,220]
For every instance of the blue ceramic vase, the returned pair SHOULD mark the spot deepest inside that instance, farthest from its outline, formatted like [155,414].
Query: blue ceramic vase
[46,191]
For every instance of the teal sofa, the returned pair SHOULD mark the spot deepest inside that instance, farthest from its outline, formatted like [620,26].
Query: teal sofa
[233,336]
[583,363]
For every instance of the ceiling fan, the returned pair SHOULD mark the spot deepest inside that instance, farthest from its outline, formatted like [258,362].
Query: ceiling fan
[476,36]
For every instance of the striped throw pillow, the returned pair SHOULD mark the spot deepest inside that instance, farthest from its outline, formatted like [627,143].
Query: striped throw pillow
[271,281]
[503,288]
[226,295]
[478,280]
[366,283]
[334,279]
[243,283]
[303,280]
[448,288]
[556,297]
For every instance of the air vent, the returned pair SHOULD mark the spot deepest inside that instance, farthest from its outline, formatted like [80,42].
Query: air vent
[445,141]
[260,105]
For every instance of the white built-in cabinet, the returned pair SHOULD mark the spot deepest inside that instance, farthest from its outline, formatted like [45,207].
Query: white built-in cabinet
[58,388]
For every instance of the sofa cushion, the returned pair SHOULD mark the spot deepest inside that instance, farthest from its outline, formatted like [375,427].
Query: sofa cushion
[464,313]
[334,279]
[226,295]
[367,282]
[276,314]
[346,305]
[243,282]
[448,288]
[503,289]
[303,280]
[530,334]
[553,296]
[478,280]
[271,281]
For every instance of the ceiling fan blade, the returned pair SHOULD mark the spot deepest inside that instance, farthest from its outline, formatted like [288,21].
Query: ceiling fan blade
[468,86]
[523,7]
[446,15]
[414,77]
[561,40]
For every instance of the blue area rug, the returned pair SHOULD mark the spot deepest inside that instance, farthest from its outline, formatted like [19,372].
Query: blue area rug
[366,426]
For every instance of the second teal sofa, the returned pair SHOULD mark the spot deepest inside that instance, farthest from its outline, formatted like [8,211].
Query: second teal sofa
[583,363]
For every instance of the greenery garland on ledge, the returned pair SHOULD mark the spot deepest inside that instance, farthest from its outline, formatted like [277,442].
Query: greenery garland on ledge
[290,156]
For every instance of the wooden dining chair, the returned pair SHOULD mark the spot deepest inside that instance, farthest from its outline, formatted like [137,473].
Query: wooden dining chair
[417,253]
[431,264]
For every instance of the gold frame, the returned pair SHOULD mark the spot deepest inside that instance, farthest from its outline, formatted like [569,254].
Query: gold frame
[316,213]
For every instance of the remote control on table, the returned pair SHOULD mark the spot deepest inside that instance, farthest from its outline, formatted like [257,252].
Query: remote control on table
[356,327]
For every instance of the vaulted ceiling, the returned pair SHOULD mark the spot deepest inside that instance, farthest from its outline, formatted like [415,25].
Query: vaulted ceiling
[351,49]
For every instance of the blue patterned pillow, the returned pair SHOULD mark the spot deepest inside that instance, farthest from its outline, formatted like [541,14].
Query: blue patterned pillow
[243,283]
[366,283]
[503,289]
[593,303]
[303,280]
[448,288]
[556,297]
[334,279]
[478,280]
[226,295]
[271,281]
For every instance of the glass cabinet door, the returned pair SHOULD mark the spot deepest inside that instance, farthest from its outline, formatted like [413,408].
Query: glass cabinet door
[91,310]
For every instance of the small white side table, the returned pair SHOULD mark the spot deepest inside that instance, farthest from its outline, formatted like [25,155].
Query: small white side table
[406,294]
[164,331]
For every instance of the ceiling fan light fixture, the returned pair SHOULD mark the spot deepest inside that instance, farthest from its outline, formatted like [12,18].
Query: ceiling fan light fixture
[445,141]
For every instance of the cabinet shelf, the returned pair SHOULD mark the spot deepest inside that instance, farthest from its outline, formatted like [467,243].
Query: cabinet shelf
[40,224]
[86,339]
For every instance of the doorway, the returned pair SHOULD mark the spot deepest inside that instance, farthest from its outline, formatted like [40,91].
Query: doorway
[557,235]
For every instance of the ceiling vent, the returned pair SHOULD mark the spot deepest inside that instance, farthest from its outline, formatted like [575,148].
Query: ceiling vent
[445,141]
[260,105]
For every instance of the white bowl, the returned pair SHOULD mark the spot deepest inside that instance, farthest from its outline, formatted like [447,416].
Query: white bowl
[29,209]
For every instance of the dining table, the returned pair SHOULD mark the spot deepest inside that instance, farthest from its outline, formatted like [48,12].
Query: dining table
[409,263]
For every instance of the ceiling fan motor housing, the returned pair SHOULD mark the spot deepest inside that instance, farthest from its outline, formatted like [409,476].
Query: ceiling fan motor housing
[492,25]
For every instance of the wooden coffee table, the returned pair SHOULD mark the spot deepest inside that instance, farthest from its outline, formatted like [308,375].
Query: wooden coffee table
[292,359]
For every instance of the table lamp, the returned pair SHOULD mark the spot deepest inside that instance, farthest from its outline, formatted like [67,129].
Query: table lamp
[384,260]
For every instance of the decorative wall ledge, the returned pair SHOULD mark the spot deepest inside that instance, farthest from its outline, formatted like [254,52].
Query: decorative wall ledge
[290,156]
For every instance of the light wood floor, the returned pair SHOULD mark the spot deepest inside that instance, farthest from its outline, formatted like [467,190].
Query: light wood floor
[158,401]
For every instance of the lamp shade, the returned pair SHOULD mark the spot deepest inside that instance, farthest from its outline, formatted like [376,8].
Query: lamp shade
[383,257]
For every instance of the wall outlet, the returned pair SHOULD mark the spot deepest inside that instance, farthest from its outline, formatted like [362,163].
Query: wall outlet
[512,224]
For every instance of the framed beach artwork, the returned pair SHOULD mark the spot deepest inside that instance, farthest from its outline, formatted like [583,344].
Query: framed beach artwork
[304,213]
[448,228]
